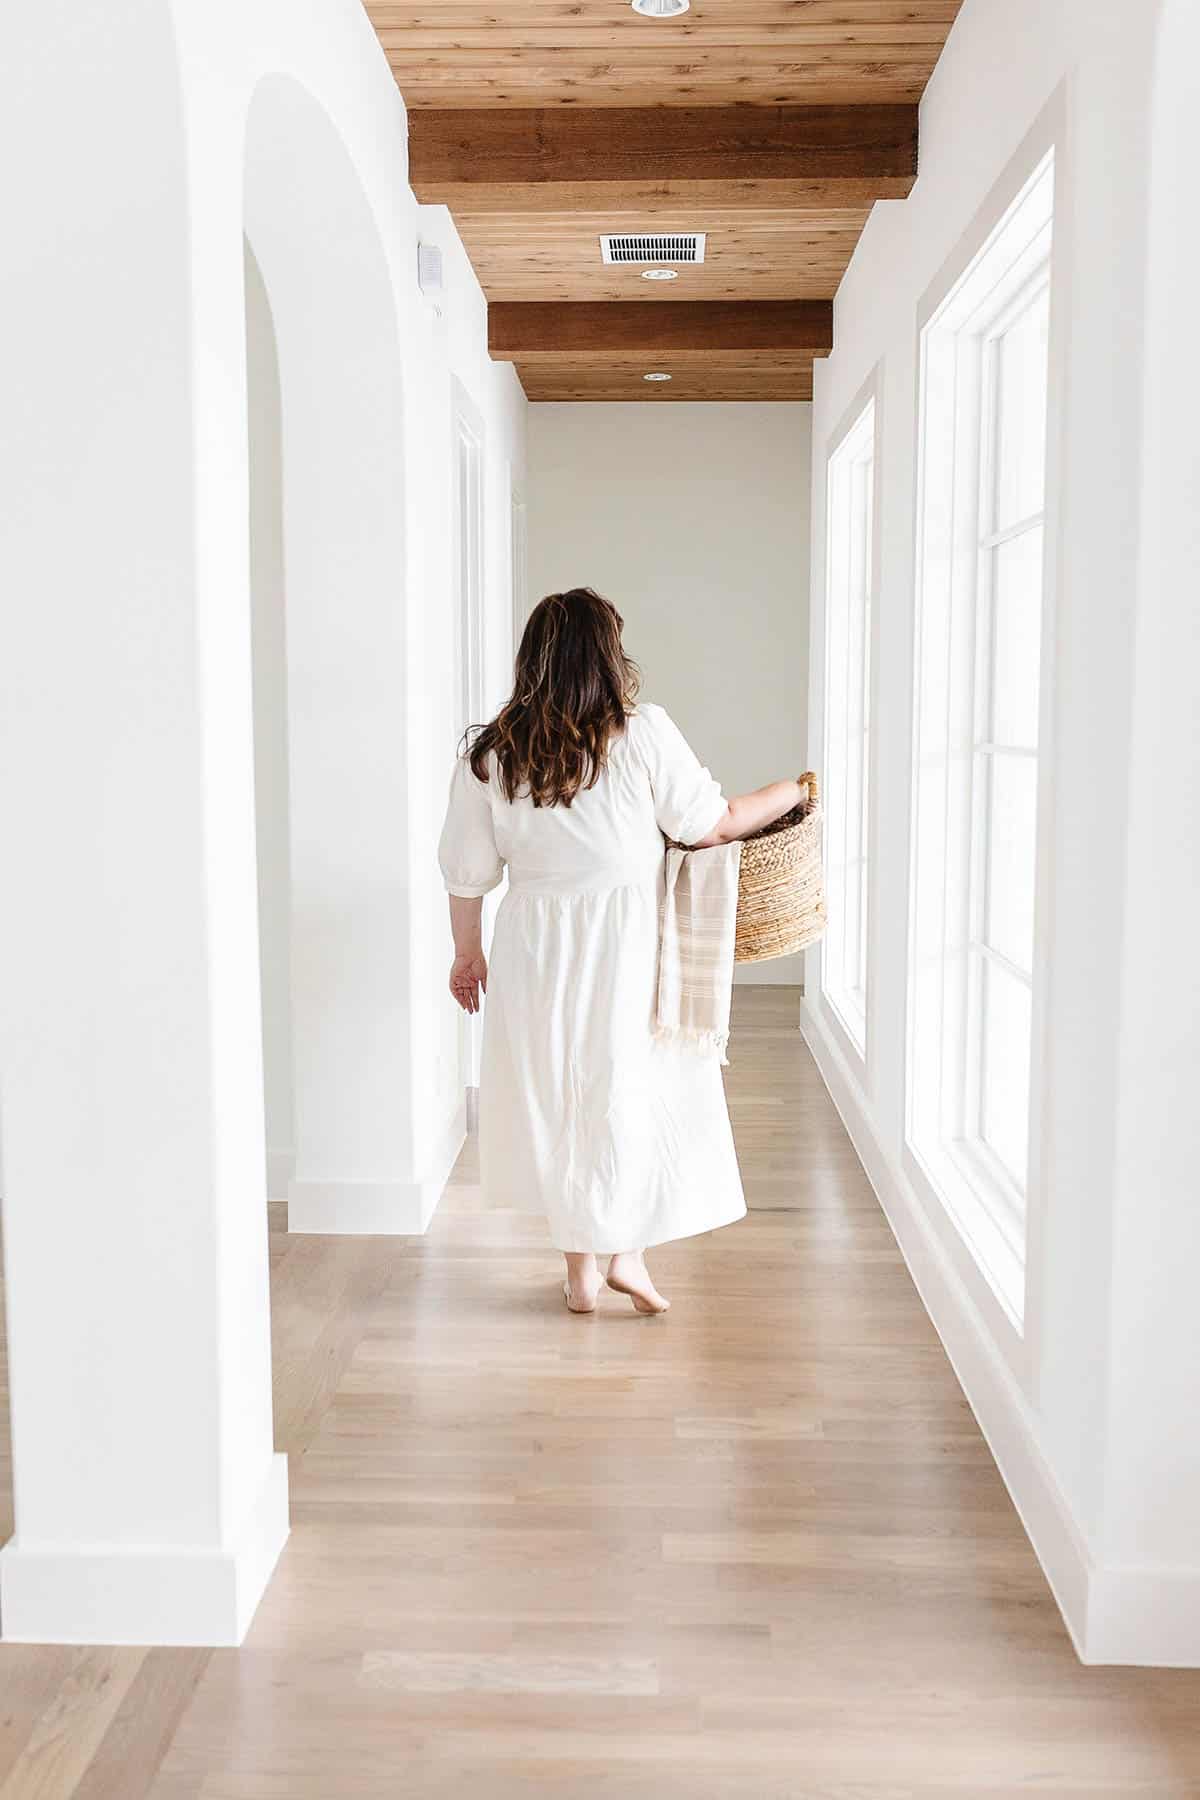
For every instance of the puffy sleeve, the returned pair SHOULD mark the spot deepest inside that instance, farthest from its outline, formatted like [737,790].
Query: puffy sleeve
[687,800]
[470,862]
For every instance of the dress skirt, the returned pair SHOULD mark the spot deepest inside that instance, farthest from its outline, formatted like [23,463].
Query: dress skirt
[622,1139]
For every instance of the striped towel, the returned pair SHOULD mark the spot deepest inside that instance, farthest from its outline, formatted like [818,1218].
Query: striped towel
[695,962]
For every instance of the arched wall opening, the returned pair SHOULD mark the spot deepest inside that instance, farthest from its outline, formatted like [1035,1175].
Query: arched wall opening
[149,1505]
[328,606]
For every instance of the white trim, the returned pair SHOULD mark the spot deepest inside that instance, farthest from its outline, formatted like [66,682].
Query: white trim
[377,1208]
[281,1166]
[356,1208]
[1149,1617]
[1049,132]
[992,540]
[1053,128]
[145,1594]
[1114,1614]
[862,1056]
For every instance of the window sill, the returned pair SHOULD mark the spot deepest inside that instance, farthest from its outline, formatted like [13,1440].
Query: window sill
[982,1215]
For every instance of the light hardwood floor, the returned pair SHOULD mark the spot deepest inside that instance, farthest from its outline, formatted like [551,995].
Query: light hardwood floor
[756,1548]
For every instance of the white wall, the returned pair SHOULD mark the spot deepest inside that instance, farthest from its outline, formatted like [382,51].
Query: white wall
[149,1504]
[693,519]
[1059,1406]
[1154,1357]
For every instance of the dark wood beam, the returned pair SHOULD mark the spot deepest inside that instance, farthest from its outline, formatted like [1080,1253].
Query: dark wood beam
[689,381]
[637,159]
[734,332]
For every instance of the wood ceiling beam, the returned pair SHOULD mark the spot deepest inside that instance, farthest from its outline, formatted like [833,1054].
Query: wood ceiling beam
[737,333]
[553,381]
[616,159]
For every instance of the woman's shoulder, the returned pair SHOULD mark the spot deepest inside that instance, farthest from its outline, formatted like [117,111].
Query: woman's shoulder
[650,723]
[647,716]
[651,734]
[470,768]
[642,724]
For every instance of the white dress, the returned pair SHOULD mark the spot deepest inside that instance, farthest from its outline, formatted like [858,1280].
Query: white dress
[623,1139]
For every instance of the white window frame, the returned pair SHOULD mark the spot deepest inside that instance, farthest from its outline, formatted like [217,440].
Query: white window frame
[959,1179]
[1007,1194]
[852,579]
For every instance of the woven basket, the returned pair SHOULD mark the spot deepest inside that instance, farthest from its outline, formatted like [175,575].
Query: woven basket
[781,884]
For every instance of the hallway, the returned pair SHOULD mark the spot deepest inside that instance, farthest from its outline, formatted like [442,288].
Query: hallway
[755,1549]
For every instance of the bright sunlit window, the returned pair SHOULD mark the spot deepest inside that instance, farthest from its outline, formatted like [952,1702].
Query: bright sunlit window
[985,375]
[849,604]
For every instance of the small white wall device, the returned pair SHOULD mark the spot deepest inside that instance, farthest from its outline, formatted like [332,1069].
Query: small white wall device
[429,270]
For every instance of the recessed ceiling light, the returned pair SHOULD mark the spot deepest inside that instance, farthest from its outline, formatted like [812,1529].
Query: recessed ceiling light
[659,274]
[660,9]
[656,375]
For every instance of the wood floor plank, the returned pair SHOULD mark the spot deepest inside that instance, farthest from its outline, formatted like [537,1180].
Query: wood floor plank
[506,1672]
[130,1754]
[30,1678]
[68,1733]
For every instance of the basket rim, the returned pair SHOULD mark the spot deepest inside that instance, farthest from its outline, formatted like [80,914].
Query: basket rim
[798,815]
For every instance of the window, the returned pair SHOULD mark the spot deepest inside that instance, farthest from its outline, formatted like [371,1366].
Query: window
[985,377]
[468,502]
[849,606]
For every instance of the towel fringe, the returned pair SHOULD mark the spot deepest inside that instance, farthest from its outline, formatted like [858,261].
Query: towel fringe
[704,1043]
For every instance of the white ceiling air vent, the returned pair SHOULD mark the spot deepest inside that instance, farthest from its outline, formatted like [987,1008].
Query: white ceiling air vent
[664,247]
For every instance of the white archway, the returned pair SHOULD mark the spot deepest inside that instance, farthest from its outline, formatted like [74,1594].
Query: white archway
[315,240]
[149,1505]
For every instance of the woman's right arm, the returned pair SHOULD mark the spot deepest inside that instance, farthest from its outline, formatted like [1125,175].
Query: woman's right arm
[748,813]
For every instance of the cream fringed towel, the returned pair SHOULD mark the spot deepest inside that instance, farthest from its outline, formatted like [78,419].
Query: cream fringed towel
[695,963]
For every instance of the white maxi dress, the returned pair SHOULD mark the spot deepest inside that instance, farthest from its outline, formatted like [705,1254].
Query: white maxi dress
[623,1139]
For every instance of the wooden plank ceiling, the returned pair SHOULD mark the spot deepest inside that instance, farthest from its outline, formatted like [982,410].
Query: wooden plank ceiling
[771,125]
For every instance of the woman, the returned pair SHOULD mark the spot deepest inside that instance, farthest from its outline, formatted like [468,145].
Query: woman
[622,1138]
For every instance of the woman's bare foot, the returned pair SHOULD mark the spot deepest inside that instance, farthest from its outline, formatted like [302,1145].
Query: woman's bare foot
[628,1274]
[582,1286]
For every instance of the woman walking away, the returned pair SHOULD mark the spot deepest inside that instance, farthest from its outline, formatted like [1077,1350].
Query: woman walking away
[623,1139]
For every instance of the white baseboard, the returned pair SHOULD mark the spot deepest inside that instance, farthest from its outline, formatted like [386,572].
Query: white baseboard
[377,1208]
[281,1166]
[356,1208]
[129,1594]
[1146,1616]
[442,1162]
[777,971]
[1114,1615]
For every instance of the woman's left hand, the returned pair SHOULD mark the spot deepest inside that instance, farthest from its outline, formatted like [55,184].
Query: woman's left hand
[468,974]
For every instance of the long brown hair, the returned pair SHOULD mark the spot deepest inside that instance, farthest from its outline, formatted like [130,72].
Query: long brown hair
[573,687]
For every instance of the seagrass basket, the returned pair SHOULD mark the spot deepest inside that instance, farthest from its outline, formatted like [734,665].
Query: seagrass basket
[781,884]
